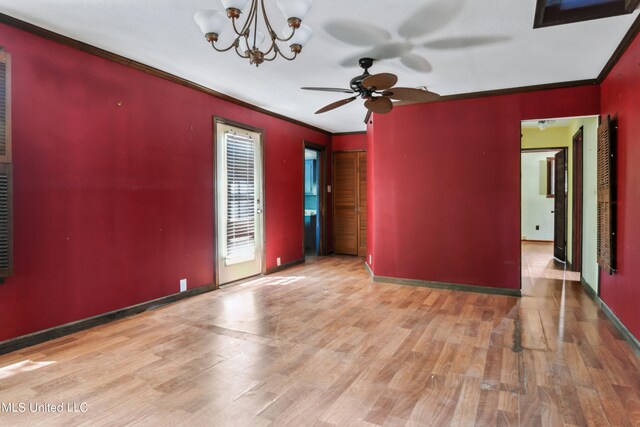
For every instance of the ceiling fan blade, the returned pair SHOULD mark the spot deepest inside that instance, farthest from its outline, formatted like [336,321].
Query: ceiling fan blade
[390,50]
[380,105]
[430,18]
[381,51]
[367,117]
[357,33]
[410,94]
[465,42]
[380,81]
[328,89]
[416,63]
[335,105]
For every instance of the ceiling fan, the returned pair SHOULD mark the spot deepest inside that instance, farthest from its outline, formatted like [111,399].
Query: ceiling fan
[377,90]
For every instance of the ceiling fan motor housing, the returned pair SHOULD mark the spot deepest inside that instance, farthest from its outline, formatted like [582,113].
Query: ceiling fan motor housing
[365,63]
[356,82]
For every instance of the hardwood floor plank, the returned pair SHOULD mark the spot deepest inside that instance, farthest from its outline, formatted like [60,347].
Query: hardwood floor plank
[487,412]
[609,399]
[467,407]
[533,337]
[591,407]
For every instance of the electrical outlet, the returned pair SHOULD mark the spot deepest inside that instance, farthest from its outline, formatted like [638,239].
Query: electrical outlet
[328,189]
[183,285]
[278,262]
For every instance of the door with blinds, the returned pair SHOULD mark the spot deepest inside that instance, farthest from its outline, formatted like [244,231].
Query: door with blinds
[239,203]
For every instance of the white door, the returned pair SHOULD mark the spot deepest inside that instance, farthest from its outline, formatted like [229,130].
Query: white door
[239,202]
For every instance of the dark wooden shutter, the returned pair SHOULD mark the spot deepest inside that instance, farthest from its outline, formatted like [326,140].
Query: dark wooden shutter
[6,178]
[606,192]
[5,108]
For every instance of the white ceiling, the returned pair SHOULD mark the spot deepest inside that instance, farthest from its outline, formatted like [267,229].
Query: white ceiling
[457,46]
[554,123]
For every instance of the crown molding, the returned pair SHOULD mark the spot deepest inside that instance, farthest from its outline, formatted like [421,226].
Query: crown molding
[93,50]
[620,50]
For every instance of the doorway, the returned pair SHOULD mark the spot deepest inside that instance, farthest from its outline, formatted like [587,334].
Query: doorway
[314,163]
[239,201]
[543,199]
[558,206]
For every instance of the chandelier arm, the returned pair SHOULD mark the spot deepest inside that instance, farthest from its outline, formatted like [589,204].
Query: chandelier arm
[266,19]
[235,28]
[295,54]
[255,27]
[222,50]
[275,55]
[273,47]
[247,24]
[293,33]
[237,45]
[272,33]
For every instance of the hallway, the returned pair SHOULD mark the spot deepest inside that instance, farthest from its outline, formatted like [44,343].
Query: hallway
[580,370]
[321,344]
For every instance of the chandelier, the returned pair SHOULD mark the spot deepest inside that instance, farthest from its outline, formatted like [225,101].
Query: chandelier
[248,40]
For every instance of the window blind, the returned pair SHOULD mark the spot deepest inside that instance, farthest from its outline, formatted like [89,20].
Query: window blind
[241,196]
[3,109]
[6,264]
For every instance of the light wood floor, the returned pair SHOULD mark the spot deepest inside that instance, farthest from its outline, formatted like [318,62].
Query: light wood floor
[321,345]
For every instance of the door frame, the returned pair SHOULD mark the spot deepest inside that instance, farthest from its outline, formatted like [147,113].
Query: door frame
[528,150]
[333,172]
[322,194]
[223,121]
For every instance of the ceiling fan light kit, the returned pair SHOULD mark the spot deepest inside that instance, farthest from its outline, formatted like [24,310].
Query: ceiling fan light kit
[248,40]
[377,90]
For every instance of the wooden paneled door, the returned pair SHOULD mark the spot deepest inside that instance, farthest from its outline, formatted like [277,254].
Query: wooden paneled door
[560,207]
[576,233]
[349,202]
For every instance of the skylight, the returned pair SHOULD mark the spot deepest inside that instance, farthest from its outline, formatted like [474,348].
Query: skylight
[560,12]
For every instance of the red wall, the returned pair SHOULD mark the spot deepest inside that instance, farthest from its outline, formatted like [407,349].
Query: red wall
[621,97]
[114,204]
[349,142]
[446,184]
